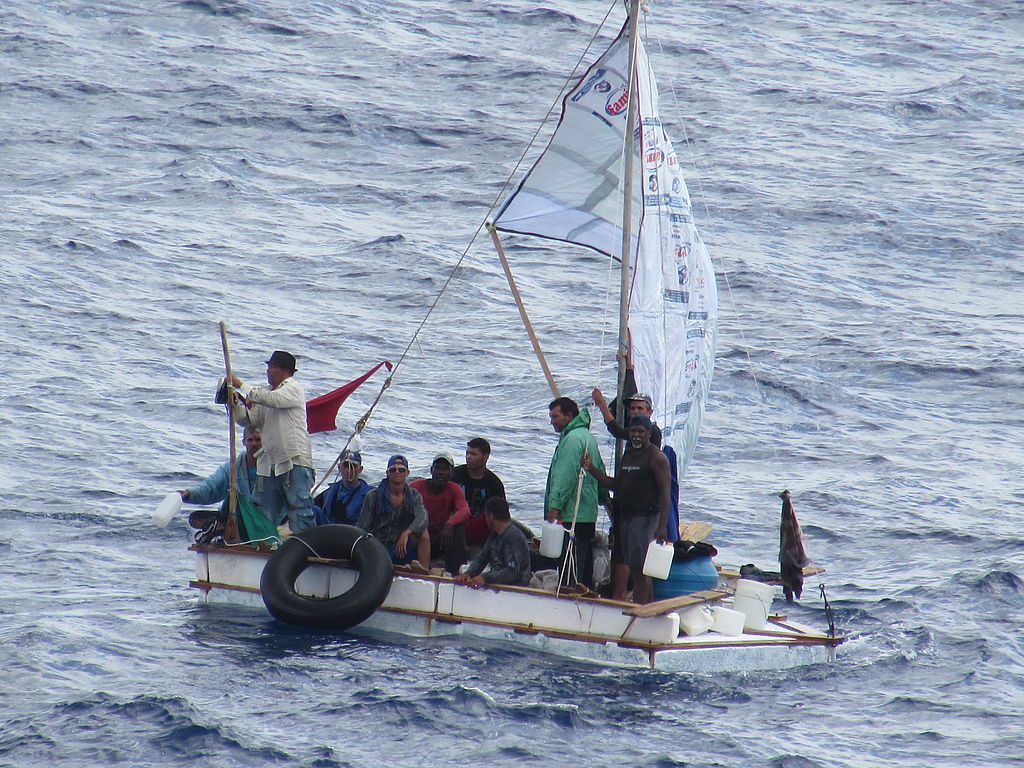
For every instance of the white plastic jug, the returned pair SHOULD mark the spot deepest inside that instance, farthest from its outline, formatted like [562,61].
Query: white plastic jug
[727,621]
[551,536]
[658,562]
[169,507]
[754,600]
[695,620]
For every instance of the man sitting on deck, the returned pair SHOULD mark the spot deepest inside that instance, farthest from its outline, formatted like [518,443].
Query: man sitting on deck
[394,513]
[214,489]
[342,502]
[447,513]
[505,551]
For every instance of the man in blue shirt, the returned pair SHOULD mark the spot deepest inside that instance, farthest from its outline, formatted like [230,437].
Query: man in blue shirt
[214,489]
[343,500]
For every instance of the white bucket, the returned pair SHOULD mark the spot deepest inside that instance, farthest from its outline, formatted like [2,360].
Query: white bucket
[551,537]
[169,507]
[695,620]
[754,600]
[727,621]
[658,562]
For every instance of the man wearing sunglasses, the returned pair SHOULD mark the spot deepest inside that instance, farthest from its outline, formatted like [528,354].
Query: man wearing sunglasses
[393,513]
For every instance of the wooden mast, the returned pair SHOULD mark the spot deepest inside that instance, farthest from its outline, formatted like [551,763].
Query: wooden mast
[627,219]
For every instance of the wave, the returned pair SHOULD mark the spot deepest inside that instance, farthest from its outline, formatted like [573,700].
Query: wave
[106,729]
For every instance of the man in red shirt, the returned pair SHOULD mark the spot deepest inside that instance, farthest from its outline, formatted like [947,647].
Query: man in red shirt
[447,513]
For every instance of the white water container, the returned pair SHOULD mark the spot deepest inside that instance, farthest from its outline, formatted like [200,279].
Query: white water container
[727,621]
[695,620]
[169,507]
[754,600]
[658,562]
[551,536]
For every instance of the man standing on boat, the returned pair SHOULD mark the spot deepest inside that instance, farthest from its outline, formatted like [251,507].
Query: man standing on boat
[641,487]
[393,512]
[571,496]
[447,513]
[637,404]
[342,502]
[478,484]
[284,465]
[505,554]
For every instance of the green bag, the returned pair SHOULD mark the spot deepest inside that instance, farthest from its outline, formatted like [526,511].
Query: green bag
[253,525]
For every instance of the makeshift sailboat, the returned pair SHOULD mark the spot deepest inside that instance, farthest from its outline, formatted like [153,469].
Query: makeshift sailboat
[609,180]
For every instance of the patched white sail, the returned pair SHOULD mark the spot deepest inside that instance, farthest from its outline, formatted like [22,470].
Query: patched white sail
[574,193]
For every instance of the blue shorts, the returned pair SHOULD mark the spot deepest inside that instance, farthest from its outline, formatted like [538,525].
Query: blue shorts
[410,552]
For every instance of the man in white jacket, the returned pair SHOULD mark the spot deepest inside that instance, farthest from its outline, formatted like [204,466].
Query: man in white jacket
[284,466]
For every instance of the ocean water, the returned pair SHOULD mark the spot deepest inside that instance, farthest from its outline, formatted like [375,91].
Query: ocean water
[313,173]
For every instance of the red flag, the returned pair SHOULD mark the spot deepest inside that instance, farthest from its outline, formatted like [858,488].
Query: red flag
[321,412]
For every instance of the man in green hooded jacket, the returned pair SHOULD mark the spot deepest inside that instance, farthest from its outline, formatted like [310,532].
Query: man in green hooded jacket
[574,439]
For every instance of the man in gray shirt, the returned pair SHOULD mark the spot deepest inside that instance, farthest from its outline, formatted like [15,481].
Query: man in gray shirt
[505,551]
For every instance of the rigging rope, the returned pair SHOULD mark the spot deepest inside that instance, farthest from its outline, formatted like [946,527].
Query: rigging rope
[494,204]
[569,566]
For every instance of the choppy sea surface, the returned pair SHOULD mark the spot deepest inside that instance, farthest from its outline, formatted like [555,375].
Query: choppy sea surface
[311,173]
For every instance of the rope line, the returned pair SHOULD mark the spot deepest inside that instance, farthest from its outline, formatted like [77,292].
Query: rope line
[570,549]
[269,539]
[498,197]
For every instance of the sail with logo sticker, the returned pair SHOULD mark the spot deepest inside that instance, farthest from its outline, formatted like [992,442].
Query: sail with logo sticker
[594,188]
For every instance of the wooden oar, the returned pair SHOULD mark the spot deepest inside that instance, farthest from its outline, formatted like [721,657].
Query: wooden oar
[672,603]
[231,527]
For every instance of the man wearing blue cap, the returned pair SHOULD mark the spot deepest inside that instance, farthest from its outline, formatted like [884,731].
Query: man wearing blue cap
[343,500]
[393,512]
[284,465]
[642,484]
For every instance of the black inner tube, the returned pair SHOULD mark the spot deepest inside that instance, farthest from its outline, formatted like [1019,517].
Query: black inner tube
[346,542]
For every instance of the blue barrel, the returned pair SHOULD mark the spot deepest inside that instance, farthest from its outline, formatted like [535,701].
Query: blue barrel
[683,578]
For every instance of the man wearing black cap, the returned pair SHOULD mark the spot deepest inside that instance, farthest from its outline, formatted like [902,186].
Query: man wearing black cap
[284,466]
[642,485]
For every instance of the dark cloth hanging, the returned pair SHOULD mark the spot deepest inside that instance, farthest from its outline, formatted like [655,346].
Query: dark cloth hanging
[792,557]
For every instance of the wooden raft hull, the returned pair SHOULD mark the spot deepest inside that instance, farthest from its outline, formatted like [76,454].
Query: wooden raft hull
[586,629]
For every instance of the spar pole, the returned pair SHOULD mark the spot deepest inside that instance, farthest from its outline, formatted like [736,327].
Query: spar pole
[522,310]
[231,528]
